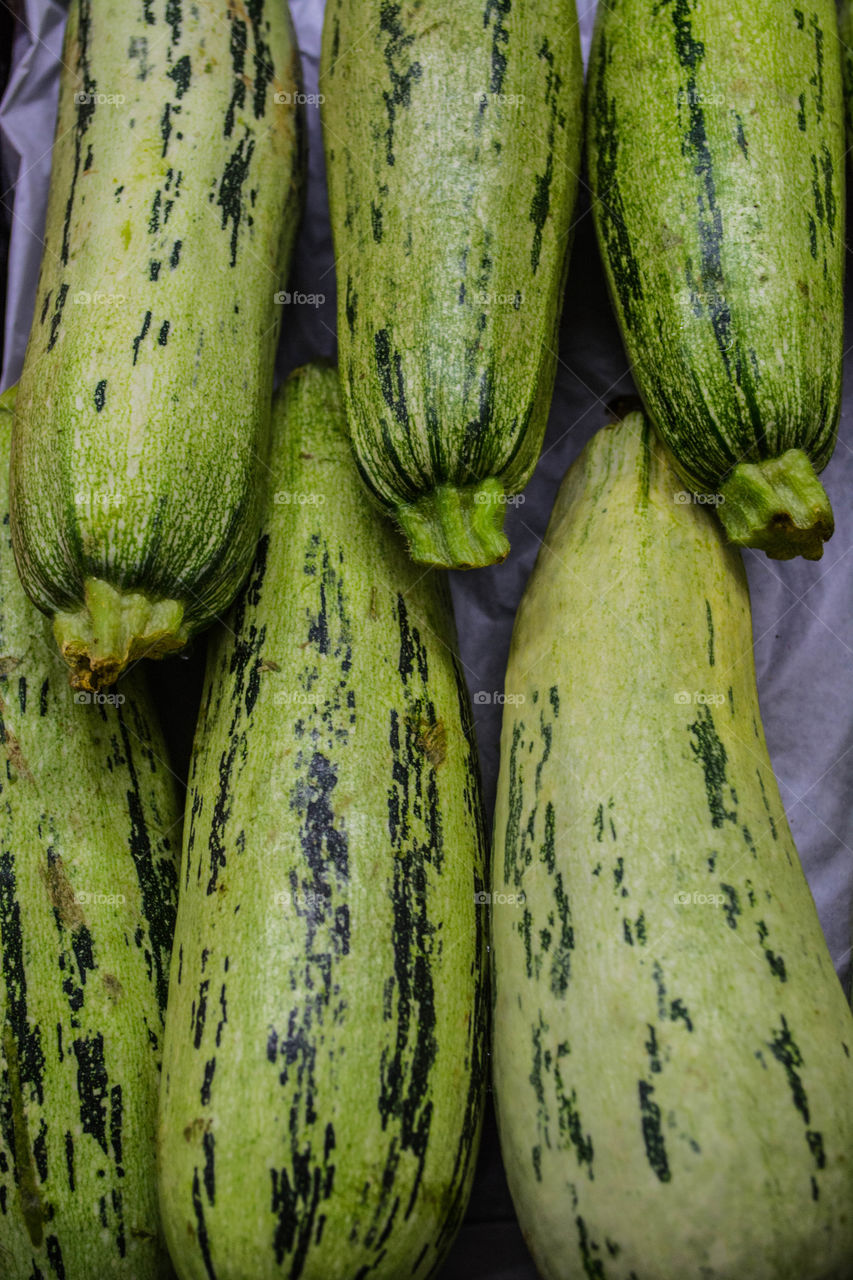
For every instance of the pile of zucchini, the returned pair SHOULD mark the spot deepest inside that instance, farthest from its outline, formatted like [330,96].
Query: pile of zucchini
[246,1033]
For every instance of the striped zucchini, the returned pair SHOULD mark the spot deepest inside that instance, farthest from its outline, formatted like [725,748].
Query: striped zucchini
[452,133]
[325,1042]
[845,31]
[672,1046]
[716,156]
[143,407]
[89,833]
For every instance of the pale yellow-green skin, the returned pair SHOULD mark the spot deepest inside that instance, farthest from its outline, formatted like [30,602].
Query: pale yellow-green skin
[635,775]
[143,409]
[303,1052]
[89,839]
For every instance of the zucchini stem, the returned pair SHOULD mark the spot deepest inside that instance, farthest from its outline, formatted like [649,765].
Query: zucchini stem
[113,629]
[777,505]
[457,528]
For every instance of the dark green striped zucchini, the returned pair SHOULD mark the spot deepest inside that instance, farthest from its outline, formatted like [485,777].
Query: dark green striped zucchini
[716,157]
[89,834]
[672,1047]
[325,1043]
[845,31]
[143,407]
[452,133]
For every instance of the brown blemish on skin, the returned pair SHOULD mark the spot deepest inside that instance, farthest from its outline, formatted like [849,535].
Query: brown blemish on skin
[15,756]
[114,988]
[61,893]
[432,740]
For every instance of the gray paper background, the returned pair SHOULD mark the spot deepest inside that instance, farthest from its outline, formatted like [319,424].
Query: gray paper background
[803,612]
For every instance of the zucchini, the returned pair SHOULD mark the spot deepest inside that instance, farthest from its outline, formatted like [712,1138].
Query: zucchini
[452,134]
[845,31]
[325,1043]
[138,441]
[716,159]
[672,1047]
[89,836]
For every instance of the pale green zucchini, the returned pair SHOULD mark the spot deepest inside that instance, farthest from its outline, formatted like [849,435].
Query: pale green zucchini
[672,1046]
[452,134]
[143,407]
[89,835]
[716,160]
[325,1044]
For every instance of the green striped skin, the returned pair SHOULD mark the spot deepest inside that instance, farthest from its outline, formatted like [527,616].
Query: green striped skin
[325,1044]
[716,158]
[672,1046]
[452,134]
[845,30]
[144,401]
[89,838]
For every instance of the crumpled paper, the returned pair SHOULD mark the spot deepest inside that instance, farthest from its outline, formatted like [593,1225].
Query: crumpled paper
[802,612]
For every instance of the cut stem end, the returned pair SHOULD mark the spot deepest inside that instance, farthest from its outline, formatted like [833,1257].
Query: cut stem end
[779,506]
[112,630]
[457,528]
